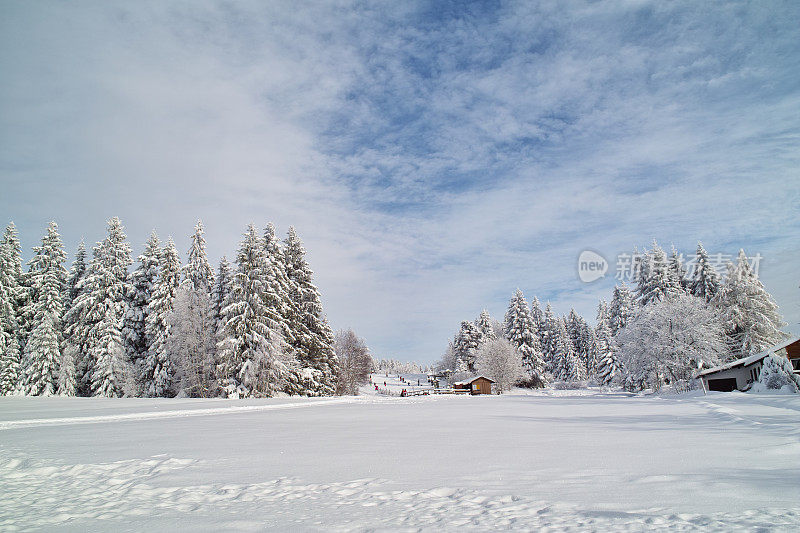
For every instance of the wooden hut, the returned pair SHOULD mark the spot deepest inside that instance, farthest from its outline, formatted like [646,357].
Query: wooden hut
[476,385]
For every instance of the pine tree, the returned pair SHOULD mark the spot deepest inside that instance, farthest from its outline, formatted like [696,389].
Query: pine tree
[76,273]
[657,280]
[67,382]
[550,335]
[567,365]
[68,377]
[96,317]
[250,361]
[589,350]
[76,327]
[705,281]
[520,331]
[47,277]
[222,287]
[10,272]
[678,270]
[538,321]
[582,338]
[16,284]
[573,324]
[752,320]
[141,283]
[465,346]
[197,273]
[603,312]
[158,369]
[314,338]
[609,368]
[622,308]
[484,325]
[278,279]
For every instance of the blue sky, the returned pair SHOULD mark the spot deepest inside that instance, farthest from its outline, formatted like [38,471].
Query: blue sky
[434,156]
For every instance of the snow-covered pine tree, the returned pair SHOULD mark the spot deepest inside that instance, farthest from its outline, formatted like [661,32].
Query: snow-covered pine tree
[750,314]
[96,316]
[485,327]
[249,352]
[465,346]
[603,312]
[609,368]
[520,331]
[17,284]
[588,343]
[705,280]
[158,369]
[77,324]
[68,377]
[42,354]
[313,337]
[192,340]
[197,273]
[279,282]
[573,324]
[76,274]
[300,379]
[67,381]
[222,286]
[550,333]
[567,365]
[141,283]
[678,270]
[10,350]
[538,321]
[658,281]
[622,308]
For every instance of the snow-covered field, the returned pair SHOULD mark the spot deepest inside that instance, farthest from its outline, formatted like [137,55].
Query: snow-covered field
[578,460]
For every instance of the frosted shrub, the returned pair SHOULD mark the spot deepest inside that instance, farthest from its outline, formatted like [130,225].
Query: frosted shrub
[777,374]
[501,361]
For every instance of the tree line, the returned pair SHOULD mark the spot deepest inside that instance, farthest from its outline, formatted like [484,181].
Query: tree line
[253,328]
[667,328]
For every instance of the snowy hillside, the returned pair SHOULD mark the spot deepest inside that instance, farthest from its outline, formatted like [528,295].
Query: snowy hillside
[563,459]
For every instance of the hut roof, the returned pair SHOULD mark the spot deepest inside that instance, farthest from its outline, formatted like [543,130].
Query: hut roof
[469,381]
[745,361]
[735,364]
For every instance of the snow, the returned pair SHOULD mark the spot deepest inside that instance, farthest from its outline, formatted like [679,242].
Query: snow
[558,459]
[745,361]
[470,380]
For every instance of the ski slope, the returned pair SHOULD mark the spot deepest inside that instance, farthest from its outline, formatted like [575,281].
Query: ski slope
[564,460]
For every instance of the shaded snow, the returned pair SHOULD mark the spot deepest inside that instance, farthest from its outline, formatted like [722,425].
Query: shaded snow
[560,459]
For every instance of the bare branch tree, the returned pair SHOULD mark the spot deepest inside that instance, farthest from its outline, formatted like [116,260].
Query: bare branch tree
[355,362]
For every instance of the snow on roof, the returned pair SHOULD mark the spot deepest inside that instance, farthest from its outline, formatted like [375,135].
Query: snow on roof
[469,381]
[745,361]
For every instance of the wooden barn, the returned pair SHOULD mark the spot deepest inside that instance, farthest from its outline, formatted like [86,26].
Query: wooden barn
[476,385]
[742,373]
